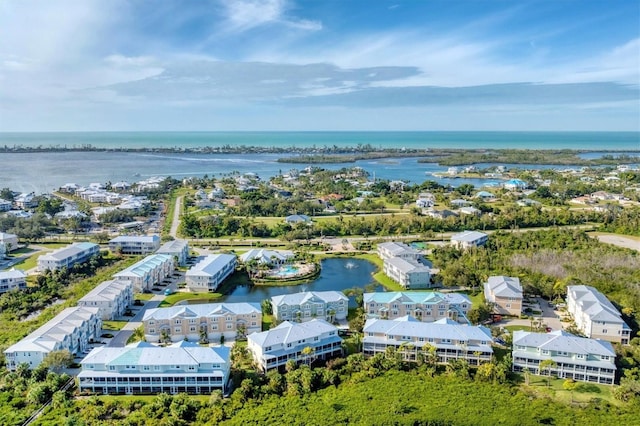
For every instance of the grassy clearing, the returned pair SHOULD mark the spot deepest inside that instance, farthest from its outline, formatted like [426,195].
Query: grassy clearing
[28,262]
[267,322]
[192,297]
[584,392]
[513,328]
[113,325]
[143,296]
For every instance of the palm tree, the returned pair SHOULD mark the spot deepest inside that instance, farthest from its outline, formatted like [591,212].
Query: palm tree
[308,354]
[547,365]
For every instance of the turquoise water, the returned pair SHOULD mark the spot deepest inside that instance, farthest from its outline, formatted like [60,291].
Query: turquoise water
[528,140]
[286,271]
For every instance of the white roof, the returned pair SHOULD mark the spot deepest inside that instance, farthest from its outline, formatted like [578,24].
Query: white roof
[201,310]
[173,246]
[146,265]
[69,251]
[12,274]
[265,256]
[397,248]
[106,291]
[468,236]
[308,296]
[211,264]
[408,265]
[291,332]
[135,238]
[414,297]
[504,286]
[561,341]
[594,304]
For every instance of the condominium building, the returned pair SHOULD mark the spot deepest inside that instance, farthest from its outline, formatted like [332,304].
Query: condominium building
[179,249]
[135,244]
[289,341]
[142,368]
[505,294]
[71,330]
[409,273]
[577,358]
[199,321]
[411,337]
[426,306]
[112,298]
[10,241]
[396,249]
[595,316]
[209,273]
[148,272]
[468,239]
[328,305]
[267,257]
[13,279]
[67,256]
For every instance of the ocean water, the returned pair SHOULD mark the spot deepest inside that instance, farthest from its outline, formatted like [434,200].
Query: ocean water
[629,141]
[46,171]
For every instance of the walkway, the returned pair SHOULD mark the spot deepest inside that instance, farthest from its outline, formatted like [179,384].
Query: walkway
[120,339]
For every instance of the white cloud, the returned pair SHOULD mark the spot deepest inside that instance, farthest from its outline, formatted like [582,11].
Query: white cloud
[243,15]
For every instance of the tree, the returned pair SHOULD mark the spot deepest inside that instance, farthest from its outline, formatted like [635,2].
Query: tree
[570,385]
[267,308]
[57,360]
[547,365]
[308,355]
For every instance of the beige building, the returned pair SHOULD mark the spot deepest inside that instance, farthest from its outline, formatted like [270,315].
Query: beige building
[505,294]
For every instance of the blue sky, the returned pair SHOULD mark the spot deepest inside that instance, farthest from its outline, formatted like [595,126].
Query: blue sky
[67,65]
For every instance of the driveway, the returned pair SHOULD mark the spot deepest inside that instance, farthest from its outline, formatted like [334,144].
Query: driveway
[119,340]
[550,317]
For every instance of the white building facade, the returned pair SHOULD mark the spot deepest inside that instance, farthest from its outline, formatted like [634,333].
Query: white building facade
[13,279]
[177,248]
[202,322]
[300,307]
[112,298]
[577,358]
[409,273]
[148,272]
[468,239]
[426,306]
[67,256]
[71,330]
[272,349]
[142,368]
[396,249]
[208,274]
[135,244]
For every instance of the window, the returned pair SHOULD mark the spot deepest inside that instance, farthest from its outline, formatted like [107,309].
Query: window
[192,328]
[605,357]
[229,326]
[152,330]
[145,368]
[112,368]
[545,352]
[177,329]
[604,331]
[580,356]
[508,305]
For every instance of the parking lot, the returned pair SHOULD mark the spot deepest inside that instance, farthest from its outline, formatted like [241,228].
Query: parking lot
[549,316]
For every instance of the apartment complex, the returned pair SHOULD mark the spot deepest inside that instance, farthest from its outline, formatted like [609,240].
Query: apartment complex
[67,256]
[179,249]
[148,272]
[468,239]
[13,279]
[426,306]
[71,330]
[208,274]
[395,249]
[9,241]
[112,298]
[411,337]
[595,316]
[200,321]
[402,264]
[505,294]
[289,341]
[577,358]
[142,368]
[135,244]
[305,306]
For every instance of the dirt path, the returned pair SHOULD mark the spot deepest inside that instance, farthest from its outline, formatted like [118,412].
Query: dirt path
[619,240]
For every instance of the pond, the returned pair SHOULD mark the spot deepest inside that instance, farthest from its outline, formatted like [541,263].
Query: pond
[337,274]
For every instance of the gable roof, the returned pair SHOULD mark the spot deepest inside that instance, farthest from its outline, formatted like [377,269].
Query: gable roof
[503,286]
[561,341]
[308,296]
[202,310]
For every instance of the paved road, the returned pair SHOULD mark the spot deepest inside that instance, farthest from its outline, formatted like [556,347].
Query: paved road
[120,339]
[176,217]
[619,240]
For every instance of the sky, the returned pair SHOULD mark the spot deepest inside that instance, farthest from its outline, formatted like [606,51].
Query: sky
[250,65]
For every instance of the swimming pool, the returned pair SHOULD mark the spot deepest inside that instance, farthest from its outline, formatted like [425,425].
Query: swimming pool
[286,271]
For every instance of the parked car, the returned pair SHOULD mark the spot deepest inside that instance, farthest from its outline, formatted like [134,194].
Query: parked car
[168,291]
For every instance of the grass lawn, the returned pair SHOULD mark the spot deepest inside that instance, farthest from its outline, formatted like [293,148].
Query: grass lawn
[143,296]
[145,398]
[113,325]
[28,263]
[584,392]
[180,296]
[513,328]
[267,322]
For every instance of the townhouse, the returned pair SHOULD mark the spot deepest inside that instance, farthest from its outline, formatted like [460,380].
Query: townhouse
[179,249]
[412,338]
[112,298]
[142,368]
[504,294]
[595,316]
[468,239]
[13,279]
[300,307]
[208,274]
[135,244]
[409,273]
[426,306]
[72,330]
[202,322]
[297,342]
[67,256]
[395,249]
[148,272]
[577,358]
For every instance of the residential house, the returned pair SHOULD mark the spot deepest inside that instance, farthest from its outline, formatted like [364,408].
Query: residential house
[297,218]
[471,211]
[409,273]
[267,257]
[72,330]
[412,338]
[26,201]
[467,239]
[179,249]
[396,249]
[427,306]
[209,273]
[595,316]
[202,322]
[5,205]
[148,272]
[505,294]
[67,256]
[440,214]
[485,196]
[305,306]
[113,298]
[515,185]
[143,368]
[135,244]
[13,279]
[289,341]
[577,358]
